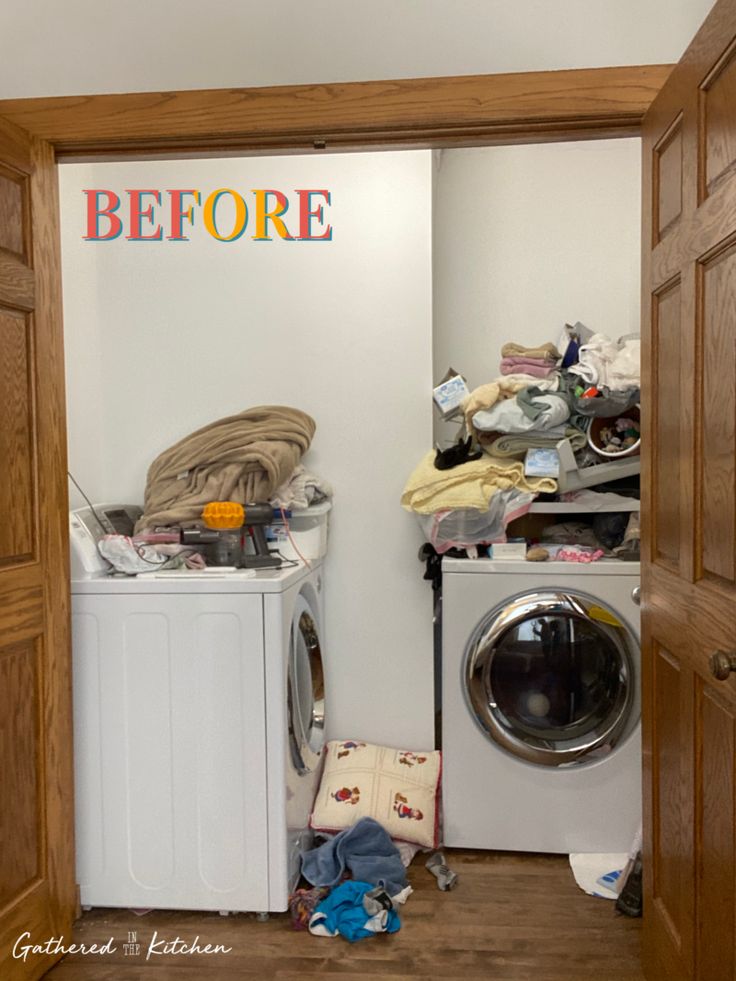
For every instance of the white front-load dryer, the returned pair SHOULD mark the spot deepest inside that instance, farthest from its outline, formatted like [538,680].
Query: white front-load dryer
[541,705]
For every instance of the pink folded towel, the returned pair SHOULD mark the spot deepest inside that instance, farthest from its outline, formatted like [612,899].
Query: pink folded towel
[538,367]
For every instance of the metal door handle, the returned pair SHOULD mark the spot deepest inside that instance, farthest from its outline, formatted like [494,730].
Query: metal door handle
[636,595]
[722,664]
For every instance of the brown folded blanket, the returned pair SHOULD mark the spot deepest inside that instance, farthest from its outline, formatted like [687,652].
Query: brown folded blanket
[241,458]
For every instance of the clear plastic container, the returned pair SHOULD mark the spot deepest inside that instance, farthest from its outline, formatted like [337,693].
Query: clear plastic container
[227,549]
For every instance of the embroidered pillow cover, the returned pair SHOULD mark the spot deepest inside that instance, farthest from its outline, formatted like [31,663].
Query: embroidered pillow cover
[396,787]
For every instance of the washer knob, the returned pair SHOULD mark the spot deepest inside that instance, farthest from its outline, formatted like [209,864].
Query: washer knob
[636,595]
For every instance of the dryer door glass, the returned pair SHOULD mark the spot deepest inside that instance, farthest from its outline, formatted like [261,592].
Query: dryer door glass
[551,677]
[305,690]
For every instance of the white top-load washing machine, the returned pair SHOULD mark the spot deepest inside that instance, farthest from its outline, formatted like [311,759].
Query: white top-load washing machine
[541,705]
[198,730]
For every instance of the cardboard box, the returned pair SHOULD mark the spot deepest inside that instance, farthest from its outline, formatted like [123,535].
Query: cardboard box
[450,394]
[514,549]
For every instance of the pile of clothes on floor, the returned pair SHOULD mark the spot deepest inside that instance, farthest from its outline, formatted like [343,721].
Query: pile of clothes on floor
[470,492]
[251,457]
[357,882]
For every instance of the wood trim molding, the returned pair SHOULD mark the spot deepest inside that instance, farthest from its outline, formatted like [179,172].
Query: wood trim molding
[426,112]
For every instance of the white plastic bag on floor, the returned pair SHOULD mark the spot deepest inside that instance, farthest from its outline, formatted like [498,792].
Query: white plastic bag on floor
[598,875]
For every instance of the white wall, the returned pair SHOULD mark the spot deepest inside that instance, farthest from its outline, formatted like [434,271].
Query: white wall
[162,338]
[526,239]
[84,46]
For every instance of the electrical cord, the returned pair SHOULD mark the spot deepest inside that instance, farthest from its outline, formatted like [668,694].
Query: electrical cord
[89,503]
[306,561]
[285,563]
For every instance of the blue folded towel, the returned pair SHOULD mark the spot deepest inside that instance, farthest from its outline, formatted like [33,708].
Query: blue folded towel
[365,849]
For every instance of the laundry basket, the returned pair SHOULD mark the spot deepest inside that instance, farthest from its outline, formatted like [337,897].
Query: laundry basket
[308,529]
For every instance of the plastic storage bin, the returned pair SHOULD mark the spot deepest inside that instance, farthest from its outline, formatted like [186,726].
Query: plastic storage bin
[308,529]
[612,469]
[598,423]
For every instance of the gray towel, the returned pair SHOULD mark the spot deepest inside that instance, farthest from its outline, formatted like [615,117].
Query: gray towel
[365,849]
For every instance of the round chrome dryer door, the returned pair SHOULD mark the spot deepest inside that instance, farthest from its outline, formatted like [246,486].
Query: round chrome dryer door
[550,677]
[305,690]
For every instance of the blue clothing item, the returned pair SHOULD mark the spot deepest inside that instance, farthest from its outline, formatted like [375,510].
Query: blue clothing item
[343,912]
[365,849]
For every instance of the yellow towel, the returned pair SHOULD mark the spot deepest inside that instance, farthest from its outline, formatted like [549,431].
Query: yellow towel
[469,485]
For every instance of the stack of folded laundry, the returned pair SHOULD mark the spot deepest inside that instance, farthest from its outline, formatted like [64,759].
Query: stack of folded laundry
[538,362]
[539,398]
[529,406]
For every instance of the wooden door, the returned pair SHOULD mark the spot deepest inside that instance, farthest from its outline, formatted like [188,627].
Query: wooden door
[689,571]
[37,891]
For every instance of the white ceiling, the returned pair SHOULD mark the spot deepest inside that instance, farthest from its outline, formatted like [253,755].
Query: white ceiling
[74,47]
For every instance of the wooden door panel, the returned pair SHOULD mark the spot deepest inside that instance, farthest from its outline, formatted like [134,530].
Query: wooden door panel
[694,238]
[672,807]
[716,453]
[21,609]
[17,284]
[13,207]
[17,434]
[718,123]
[689,514]
[23,884]
[716,896]
[20,815]
[37,888]
[668,179]
[666,353]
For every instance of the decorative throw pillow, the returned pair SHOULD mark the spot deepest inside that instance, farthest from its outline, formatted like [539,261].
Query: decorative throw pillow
[396,787]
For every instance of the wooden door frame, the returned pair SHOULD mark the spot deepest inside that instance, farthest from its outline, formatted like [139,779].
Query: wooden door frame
[420,113]
[466,111]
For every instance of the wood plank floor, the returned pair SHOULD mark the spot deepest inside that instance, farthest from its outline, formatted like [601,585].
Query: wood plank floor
[511,916]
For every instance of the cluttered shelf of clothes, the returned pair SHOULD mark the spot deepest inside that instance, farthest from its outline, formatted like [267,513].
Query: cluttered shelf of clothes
[559,424]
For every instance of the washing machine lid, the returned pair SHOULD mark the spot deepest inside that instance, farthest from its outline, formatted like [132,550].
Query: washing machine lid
[191,581]
[550,676]
[305,689]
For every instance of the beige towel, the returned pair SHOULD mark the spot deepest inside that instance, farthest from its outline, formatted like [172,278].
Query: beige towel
[516,444]
[241,458]
[469,485]
[547,351]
